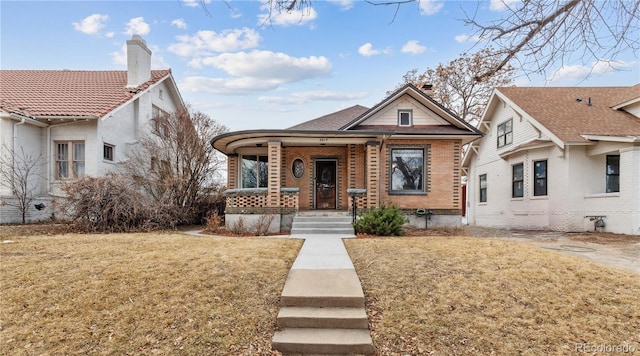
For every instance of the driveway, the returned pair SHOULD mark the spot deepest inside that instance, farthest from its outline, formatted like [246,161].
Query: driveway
[621,251]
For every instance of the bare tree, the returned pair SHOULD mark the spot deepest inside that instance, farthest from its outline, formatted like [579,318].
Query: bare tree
[539,34]
[19,173]
[175,164]
[458,86]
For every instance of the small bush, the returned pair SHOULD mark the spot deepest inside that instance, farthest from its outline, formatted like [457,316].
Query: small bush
[385,221]
[261,226]
[237,227]
[214,223]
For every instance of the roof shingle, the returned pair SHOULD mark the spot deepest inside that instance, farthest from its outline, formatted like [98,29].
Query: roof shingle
[333,121]
[569,112]
[67,93]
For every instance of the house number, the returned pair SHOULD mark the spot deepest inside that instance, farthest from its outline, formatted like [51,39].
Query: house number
[324,139]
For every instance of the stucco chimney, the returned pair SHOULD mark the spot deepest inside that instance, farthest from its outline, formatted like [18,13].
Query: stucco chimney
[138,62]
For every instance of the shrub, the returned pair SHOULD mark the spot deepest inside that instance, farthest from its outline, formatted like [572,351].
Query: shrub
[214,223]
[261,226]
[114,204]
[385,221]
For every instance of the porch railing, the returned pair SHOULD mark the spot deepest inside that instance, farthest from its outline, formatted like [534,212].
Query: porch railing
[255,201]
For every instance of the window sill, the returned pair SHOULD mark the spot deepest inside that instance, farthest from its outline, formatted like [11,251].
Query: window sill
[540,197]
[482,204]
[408,193]
[602,195]
[108,161]
[517,199]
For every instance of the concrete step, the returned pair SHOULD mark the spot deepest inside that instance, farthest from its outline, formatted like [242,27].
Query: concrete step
[330,219]
[309,317]
[323,341]
[321,224]
[322,231]
[338,288]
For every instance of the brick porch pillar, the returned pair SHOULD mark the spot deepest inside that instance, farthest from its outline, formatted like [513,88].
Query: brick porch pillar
[275,154]
[232,171]
[373,174]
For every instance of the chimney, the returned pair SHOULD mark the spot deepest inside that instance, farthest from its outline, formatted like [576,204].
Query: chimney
[428,89]
[138,62]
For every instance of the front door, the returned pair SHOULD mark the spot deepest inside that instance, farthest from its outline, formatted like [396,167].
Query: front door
[325,180]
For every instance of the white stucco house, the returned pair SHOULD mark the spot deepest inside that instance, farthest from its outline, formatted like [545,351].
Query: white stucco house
[77,122]
[564,159]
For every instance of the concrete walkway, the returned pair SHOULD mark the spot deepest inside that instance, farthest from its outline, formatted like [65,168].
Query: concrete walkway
[322,304]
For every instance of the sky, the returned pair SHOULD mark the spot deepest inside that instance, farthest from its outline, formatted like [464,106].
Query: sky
[247,70]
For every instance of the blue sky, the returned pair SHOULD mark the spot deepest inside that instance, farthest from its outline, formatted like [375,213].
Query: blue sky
[250,74]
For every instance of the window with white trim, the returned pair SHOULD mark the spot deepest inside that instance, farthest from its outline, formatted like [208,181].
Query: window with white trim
[613,173]
[505,133]
[405,117]
[69,159]
[483,188]
[540,178]
[517,181]
[108,152]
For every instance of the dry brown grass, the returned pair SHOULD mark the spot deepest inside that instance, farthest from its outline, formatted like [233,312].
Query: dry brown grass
[156,293]
[460,296]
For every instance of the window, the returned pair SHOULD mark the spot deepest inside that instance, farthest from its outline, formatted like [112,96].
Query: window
[407,170]
[517,181]
[540,178]
[69,159]
[159,118]
[107,152]
[483,188]
[613,174]
[505,133]
[254,171]
[405,117]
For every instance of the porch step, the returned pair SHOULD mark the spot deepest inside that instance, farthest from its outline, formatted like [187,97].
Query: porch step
[312,317]
[322,225]
[338,288]
[323,341]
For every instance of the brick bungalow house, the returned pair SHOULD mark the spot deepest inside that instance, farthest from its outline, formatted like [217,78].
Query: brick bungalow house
[406,151]
[78,122]
[565,159]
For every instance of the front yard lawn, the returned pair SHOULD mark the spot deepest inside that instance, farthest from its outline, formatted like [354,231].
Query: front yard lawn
[463,296]
[154,293]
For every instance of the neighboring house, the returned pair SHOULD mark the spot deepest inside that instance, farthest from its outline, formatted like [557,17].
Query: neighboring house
[565,159]
[405,151]
[78,122]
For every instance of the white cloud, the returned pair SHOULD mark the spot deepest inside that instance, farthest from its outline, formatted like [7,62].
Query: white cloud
[287,18]
[270,65]
[92,24]
[367,50]
[256,71]
[344,4]
[194,3]
[430,7]
[413,47]
[580,72]
[179,23]
[466,38]
[137,26]
[206,42]
[109,34]
[307,96]
[501,5]
[157,62]
[226,86]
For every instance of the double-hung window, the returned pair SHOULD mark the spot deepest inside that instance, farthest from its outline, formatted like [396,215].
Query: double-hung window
[483,188]
[108,152]
[407,170]
[69,159]
[540,178]
[613,173]
[255,171]
[517,181]
[505,133]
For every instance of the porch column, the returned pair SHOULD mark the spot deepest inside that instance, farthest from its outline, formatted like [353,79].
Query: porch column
[373,174]
[275,153]
[232,171]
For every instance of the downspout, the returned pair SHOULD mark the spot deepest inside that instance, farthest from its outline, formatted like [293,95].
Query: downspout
[23,120]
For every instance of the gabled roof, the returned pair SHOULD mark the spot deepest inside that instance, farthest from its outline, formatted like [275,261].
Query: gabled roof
[333,121]
[67,93]
[571,113]
[421,97]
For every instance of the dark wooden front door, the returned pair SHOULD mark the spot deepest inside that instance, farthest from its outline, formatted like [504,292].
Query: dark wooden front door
[325,180]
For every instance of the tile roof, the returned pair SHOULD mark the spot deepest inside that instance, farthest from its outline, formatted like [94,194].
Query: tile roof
[333,121]
[67,93]
[561,112]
